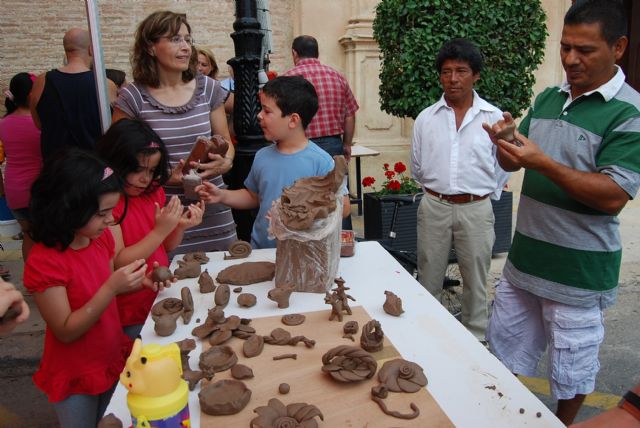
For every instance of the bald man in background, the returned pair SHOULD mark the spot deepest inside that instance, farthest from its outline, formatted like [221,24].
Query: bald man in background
[64,101]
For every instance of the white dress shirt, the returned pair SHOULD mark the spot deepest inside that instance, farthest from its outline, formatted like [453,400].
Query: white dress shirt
[454,161]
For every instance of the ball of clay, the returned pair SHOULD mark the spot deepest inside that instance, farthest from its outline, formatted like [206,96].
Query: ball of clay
[246,299]
[161,274]
[284,388]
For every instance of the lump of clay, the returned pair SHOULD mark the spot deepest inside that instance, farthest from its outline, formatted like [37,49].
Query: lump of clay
[110,421]
[277,415]
[392,304]
[191,376]
[402,376]
[284,388]
[349,364]
[221,296]
[350,327]
[239,250]
[215,317]
[293,319]
[196,256]
[280,336]
[217,359]
[253,346]
[187,269]
[161,274]
[280,295]
[225,397]
[201,149]
[187,304]
[240,371]
[507,133]
[189,183]
[247,273]
[206,282]
[372,336]
[247,300]
[165,314]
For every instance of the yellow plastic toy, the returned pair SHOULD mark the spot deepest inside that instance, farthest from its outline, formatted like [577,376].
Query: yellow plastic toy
[158,396]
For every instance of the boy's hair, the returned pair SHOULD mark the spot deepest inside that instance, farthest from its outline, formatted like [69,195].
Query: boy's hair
[293,94]
[460,49]
[66,195]
[124,141]
[305,47]
[118,77]
[608,13]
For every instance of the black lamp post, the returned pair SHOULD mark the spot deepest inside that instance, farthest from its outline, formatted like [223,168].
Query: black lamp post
[247,39]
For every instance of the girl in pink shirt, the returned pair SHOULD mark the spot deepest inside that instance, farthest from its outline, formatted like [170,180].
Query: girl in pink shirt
[150,229]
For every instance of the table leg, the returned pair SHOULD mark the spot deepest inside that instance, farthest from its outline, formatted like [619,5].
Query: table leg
[358,186]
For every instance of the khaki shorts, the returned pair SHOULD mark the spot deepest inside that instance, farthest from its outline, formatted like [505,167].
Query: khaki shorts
[523,325]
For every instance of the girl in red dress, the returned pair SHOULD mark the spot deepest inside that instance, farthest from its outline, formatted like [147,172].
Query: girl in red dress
[70,273]
[150,229]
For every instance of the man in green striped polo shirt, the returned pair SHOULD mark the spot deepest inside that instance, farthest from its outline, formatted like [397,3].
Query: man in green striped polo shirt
[580,147]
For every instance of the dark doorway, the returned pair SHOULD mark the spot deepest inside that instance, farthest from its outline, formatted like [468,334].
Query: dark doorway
[630,62]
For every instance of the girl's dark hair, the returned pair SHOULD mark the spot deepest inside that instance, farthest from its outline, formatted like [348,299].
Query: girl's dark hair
[159,24]
[20,87]
[67,194]
[124,141]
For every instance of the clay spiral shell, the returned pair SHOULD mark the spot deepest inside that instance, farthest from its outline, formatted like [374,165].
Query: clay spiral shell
[239,250]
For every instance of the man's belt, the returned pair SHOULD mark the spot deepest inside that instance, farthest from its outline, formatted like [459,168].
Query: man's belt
[461,198]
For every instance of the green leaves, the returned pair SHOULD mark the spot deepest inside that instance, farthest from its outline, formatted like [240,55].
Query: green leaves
[510,34]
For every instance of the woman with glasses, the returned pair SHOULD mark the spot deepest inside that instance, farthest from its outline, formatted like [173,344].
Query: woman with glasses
[180,104]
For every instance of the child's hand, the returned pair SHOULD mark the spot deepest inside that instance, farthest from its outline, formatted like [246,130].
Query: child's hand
[127,278]
[157,285]
[209,193]
[13,308]
[192,216]
[175,179]
[168,217]
[217,165]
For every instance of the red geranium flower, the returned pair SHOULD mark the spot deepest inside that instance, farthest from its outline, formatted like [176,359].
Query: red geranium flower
[389,174]
[393,185]
[399,167]
[368,181]
[385,166]
[395,181]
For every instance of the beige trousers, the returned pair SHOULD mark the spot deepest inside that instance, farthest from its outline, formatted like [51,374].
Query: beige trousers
[470,228]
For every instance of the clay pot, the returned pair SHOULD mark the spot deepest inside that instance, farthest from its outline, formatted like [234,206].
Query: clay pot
[247,300]
[206,282]
[217,359]
[372,336]
[225,397]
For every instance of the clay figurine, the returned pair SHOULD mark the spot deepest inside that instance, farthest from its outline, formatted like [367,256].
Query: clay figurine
[293,319]
[336,306]
[239,250]
[191,376]
[253,346]
[217,359]
[197,256]
[372,336]
[247,300]
[165,313]
[161,274]
[280,336]
[221,296]
[187,269]
[280,296]
[392,304]
[225,397]
[187,304]
[277,415]
[340,291]
[240,371]
[349,364]
[247,273]
[206,282]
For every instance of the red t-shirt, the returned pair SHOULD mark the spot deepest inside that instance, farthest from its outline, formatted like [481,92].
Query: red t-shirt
[92,363]
[139,220]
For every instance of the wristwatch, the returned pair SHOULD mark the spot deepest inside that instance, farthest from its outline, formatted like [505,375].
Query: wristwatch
[631,403]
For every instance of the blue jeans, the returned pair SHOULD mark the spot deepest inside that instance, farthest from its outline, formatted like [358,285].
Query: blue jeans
[82,410]
[331,144]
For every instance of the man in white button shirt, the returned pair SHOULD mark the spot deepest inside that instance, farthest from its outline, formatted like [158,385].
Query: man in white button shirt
[455,162]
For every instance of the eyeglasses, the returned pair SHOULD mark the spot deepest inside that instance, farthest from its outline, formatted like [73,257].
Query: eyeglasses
[178,39]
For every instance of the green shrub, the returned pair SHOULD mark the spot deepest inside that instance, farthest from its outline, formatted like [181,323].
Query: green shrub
[510,33]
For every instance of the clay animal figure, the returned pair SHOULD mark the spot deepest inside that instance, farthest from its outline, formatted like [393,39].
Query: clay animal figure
[336,306]
[206,282]
[280,295]
[392,304]
[190,269]
[372,336]
[152,370]
[277,415]
[198,256]
[165,314]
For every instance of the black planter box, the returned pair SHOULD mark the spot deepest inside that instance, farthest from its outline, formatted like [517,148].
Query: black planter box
[378,213]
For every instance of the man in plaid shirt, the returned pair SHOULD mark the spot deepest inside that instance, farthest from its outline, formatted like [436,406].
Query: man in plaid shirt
[332,127]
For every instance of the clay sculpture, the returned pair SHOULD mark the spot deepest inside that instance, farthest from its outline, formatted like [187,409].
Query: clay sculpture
[350,328]
[240,371]
[110,421]
[340,292]
[336,306]
[165,313]
[224,330]
[198,256]
[293,319]
[392,304]
[187,304]
[189,269]
[402,376]
[247,273]
[508,134]
[280,296]
[219,328]
[277,415]
[189,183]
[238,250]
[191,376]
[221,296]
[372,336]
[201,149]
[215,317]
[349,364]
[247,300]
[206,282]
[217,359]
[253,346]
[161,274]
[280,336]
[225,397]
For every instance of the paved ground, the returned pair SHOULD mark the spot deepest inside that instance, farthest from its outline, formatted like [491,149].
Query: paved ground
[23,405]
